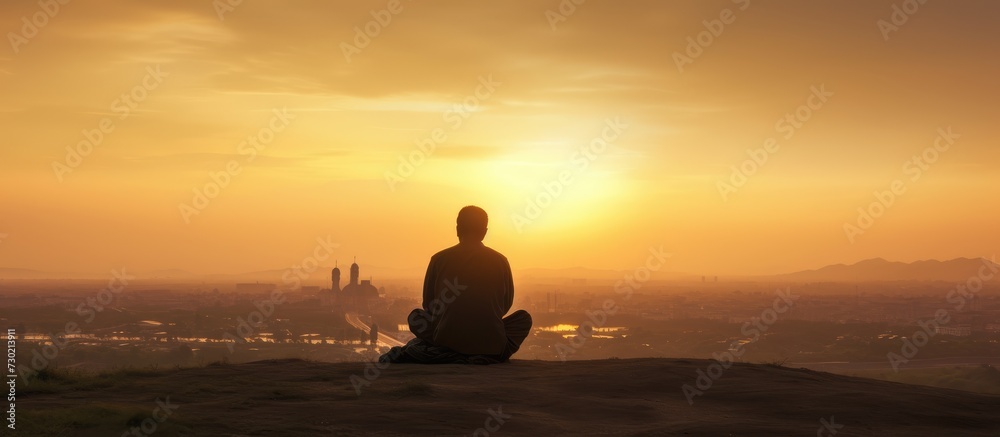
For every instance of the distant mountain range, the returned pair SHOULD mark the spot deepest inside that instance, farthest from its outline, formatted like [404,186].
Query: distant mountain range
[876,269]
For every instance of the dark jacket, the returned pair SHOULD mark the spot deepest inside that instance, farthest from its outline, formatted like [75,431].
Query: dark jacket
[467,291]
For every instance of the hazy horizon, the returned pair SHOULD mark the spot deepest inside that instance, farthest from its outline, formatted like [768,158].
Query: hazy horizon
[381,273]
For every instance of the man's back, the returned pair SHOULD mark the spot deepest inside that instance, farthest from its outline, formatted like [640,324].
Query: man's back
[467,291]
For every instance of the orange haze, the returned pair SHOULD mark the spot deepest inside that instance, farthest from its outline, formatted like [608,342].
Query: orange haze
[627,132]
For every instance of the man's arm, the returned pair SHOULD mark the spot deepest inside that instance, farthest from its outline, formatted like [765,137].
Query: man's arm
[508,292]
[429,281]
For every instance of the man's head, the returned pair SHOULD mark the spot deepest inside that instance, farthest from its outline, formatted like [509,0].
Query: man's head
[472,221]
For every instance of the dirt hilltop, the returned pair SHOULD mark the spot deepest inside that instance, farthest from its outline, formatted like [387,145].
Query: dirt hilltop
[606,397]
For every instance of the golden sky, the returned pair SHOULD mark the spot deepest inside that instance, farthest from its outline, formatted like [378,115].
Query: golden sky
[641,124]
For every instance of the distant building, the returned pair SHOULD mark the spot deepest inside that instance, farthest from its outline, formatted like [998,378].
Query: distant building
[356,294]
[335,277]
[957,331]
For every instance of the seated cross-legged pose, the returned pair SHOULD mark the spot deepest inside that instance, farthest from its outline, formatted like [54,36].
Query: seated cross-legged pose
[467,291]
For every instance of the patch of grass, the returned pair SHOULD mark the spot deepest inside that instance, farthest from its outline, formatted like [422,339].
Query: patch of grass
[51,379]
[58,374]
[55,379]
[777,362]
[134,372]
[221,363]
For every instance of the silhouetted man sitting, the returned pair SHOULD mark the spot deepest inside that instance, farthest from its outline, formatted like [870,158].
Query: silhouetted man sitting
[467,291]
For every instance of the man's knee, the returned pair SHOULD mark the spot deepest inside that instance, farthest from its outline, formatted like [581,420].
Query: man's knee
[416,314]
[524,315]
[520,318]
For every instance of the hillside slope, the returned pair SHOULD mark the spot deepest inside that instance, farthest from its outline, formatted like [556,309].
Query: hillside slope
[611,397]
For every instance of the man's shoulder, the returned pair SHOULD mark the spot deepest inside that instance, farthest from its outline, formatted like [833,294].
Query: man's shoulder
[494,253]
[458,250]
[444,252]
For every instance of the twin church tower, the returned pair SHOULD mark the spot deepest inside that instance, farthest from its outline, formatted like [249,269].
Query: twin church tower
[354,295]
